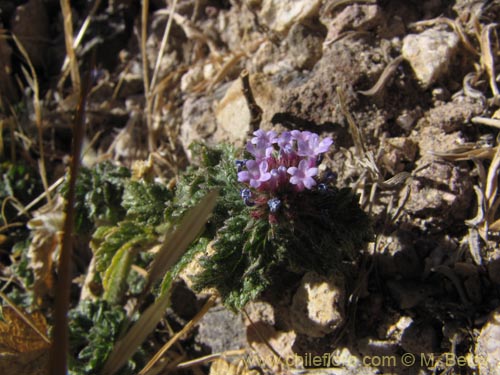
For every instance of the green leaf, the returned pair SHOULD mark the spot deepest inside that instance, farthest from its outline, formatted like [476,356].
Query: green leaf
[146,202]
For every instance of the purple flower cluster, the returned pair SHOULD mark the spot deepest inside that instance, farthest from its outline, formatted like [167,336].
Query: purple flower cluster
[287,162]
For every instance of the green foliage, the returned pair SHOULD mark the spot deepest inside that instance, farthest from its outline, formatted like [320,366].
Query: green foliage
[99,193]
[20,182]
[94,328]
[146,202]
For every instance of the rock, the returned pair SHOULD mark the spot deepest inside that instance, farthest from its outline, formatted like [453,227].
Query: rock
[354,17]
[232,113]
[441,192]
[262,337]
[429,54]
[487,354]
[198,121]
[279,15]
[398,151]
[318,305]
[453,115]
[221,330]
[304,47]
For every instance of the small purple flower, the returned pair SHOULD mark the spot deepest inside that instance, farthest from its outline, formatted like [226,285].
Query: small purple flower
[311,147]
[302,176]
[262,136]
[255,174]
[260,150]
[285,141]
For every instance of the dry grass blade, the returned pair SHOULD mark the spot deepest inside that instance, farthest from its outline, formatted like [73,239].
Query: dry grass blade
[476,221]
[466,153]
[32,80]
[70,51]
[486,121]
[163,44]
[210,358]
[487,56]
[185,233]
[125,348]
[80,35]
[177,336]
[389,70]
[491,187]
[355,134]
[173,248]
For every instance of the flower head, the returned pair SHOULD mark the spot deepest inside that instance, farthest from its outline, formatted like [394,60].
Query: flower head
[282,166]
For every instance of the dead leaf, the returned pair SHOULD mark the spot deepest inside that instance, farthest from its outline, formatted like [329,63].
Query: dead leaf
[46,227]
[22,349]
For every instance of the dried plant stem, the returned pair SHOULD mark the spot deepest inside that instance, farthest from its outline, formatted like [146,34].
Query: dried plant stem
[178,335]
[32,79]
[59,351]
[255,110]
[70,51]
[145,74]
[211,357]
[163,44]
[80,35]
[487,57]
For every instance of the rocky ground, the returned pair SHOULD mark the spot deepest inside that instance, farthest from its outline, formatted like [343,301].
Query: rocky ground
[408,90]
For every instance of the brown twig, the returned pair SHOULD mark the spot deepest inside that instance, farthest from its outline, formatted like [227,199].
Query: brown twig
[255,110]
[59,351]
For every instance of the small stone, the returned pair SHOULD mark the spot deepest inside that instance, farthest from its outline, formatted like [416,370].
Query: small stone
[429,54]
[318,305]
[232,113]
[221,330]
[397,152]
[487,354]
[198,121]
[279,15]
[354,17]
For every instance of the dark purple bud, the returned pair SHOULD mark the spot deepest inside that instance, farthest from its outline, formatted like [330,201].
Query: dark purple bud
[323,188]
[240,164]
[319,159]
[274,204]
[330,176]
[246,194]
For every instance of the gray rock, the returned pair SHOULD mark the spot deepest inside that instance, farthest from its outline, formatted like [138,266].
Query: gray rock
[429,53]
[221,330]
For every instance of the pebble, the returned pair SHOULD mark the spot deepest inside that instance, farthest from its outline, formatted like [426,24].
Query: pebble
[429,54]
[318,305]
[279,15]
